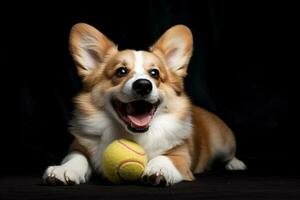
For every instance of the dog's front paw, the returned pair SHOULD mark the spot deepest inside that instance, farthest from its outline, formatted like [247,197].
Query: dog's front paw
[160,171]
[62,175]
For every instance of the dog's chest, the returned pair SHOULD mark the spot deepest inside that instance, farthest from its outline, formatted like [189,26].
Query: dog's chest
[165,132]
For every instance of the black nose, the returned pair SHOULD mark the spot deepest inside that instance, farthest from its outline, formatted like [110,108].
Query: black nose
[142,87]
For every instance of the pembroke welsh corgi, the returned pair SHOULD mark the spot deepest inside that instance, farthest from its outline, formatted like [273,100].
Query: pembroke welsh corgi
[139,95]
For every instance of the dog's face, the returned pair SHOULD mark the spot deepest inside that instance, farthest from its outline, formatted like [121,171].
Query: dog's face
[133,87]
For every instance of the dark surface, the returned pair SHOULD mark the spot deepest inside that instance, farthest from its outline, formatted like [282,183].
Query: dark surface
[218,185]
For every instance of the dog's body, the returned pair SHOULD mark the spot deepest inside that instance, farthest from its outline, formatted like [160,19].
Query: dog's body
[139,95]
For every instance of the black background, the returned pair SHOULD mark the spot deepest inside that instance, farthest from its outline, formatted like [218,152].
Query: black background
[234,73]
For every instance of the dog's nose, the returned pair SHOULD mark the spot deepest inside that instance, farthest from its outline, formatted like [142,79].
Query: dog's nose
[142,87]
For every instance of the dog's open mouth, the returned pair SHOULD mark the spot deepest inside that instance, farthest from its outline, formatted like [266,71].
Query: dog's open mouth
[137,115]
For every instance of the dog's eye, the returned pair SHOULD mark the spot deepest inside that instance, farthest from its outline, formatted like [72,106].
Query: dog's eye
[154,73]
[122,71]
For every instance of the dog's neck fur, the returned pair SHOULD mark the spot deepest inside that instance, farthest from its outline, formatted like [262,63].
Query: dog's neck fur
[165,132]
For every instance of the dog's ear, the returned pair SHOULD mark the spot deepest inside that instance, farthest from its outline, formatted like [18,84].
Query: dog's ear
[89,47]
[175,46]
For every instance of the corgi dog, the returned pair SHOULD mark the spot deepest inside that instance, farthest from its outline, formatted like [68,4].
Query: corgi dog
[139,95]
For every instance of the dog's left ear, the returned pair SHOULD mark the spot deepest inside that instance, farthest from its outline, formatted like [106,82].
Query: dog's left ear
[175,46]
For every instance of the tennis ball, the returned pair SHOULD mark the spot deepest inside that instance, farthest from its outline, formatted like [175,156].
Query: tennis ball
[123,160]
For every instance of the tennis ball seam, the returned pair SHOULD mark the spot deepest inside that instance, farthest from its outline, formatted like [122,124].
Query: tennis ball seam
[131,149]
[140,164]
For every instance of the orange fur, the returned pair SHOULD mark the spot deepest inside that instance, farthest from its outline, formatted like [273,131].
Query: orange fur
[196,153]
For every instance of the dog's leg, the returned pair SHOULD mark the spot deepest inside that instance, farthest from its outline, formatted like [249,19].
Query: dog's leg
[223,146]
[161,171]
[75,169]
[170,168]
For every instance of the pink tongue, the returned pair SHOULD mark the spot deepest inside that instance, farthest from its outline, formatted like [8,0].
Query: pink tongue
[140,120]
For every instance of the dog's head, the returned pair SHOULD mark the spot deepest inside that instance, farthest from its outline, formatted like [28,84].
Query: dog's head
[132,86]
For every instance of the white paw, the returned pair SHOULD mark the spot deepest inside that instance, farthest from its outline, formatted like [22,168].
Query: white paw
[63,175]
[235,164]
[160,171]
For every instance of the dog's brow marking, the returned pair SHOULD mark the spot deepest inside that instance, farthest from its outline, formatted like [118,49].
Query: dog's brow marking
[139,62]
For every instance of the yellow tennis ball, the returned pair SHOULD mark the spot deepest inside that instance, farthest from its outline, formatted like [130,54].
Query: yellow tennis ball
[123,160]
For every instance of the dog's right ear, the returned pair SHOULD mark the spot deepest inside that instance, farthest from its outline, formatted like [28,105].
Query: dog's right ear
[89,47]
